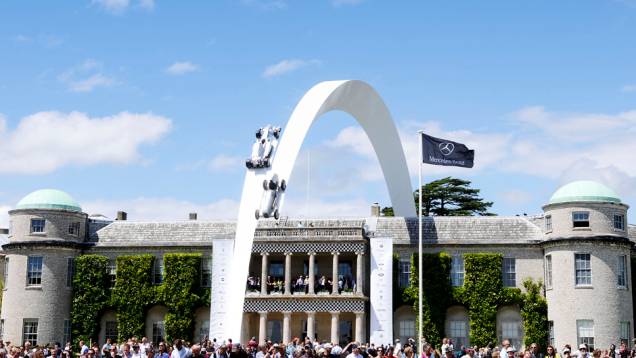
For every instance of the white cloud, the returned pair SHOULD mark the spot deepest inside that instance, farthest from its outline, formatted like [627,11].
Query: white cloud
[22,38]
[516,197]
[4,216]
[180,68]
[120,6]
[46,141]
[225,163]
[287,66]
[86,77]
[266,4]
[629,88]
[168,209]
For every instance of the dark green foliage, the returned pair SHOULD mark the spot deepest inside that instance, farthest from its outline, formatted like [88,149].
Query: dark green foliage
[90,296]
[437,293]
[483,289]
[387,211]
[181,293]
[451,197]
[534,312]
[133,293]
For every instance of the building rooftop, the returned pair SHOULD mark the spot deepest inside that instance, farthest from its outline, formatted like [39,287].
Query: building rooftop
[49,199]
[584,190]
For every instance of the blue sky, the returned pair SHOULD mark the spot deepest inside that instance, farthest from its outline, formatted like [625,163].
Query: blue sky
[150,106]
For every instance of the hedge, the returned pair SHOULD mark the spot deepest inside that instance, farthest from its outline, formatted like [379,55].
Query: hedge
[90,296]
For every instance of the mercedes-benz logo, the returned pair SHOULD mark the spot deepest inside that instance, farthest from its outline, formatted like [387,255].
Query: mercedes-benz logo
[446,148]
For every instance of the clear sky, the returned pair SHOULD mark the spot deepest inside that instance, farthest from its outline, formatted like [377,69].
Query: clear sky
[150,106]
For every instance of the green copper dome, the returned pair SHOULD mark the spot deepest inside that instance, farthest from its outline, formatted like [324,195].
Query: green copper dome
[49,199]
[584,190]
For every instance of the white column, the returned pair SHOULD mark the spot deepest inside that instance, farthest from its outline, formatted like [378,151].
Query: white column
[335,325]
[334,274]
[359,272]
[311,325]
[360,325]
[312,277]
[286,327]
[262,327]
[264,273]
[288,256]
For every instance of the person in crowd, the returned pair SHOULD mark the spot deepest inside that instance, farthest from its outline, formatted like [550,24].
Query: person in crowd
[583,351]
[355,353]
[551,352]
[222,352]
[179,351]
[136,351]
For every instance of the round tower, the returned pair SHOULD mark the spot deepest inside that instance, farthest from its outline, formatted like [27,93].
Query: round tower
[47,231]
[587,266]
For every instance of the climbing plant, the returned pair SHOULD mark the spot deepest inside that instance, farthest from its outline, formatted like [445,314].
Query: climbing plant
[90,296]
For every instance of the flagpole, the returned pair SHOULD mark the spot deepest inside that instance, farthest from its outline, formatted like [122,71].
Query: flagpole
[419,256]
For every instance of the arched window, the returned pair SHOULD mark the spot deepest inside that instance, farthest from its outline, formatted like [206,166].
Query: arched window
[510,325]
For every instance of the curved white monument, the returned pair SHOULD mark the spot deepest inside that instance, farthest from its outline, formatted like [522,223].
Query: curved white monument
[362,102]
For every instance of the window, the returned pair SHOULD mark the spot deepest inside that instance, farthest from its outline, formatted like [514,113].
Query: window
[70,270]
[345,270]
[459,333]
[625,332]
[548,223]
[583,269]
[67,331]
[110,331]
[37,225]
[74,229]
[30,331]
[275,330]
[34,271]
[205,330]
[157,271]
[548,271]
[622,271]
[1,328]
[157,332]
[405,273]
[406,329]
[619,221]
[112,273]
[510,331]
[581,219]
[509,272]
[585,332]
[457,271]
[6,273]
[277,270]
[206,271]
[551,332]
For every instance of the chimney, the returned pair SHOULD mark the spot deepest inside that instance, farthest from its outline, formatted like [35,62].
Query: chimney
[193,216]
[375,209]
[4,231]
[122,216]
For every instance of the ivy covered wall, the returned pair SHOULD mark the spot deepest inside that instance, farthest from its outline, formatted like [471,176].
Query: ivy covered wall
[482,294]
[134,293]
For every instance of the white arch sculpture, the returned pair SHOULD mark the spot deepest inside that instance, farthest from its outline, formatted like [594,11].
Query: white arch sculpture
[362,102]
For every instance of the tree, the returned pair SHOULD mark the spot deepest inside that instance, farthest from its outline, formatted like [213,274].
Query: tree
[448,197]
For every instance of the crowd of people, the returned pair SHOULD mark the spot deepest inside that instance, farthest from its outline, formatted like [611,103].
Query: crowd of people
[300,284]
[301,348]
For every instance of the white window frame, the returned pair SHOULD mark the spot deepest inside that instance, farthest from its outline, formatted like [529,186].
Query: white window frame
[74,228]
[621,272]
[548,272]
[509,326]
[32,335]
[406,328]
[548,223]
[206,271]
[110,330]
[625,332]
[455,327]
[66,332]
[38,273]
[587,339]
[404,278]
[576,283]
[458,270]
[6,273]
[620,220]
[158,271]
[2,329]
[578,216]
[31,226]
[112,273]
[506,280]
[551,332]
[158,332]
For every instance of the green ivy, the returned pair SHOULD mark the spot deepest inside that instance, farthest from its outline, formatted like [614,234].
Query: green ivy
[181,293]
[90,296]
[133,294]
[534,311]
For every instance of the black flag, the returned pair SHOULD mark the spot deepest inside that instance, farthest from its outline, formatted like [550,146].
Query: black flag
[439,151]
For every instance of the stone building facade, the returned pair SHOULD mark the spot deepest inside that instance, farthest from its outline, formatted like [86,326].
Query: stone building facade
[581,247]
